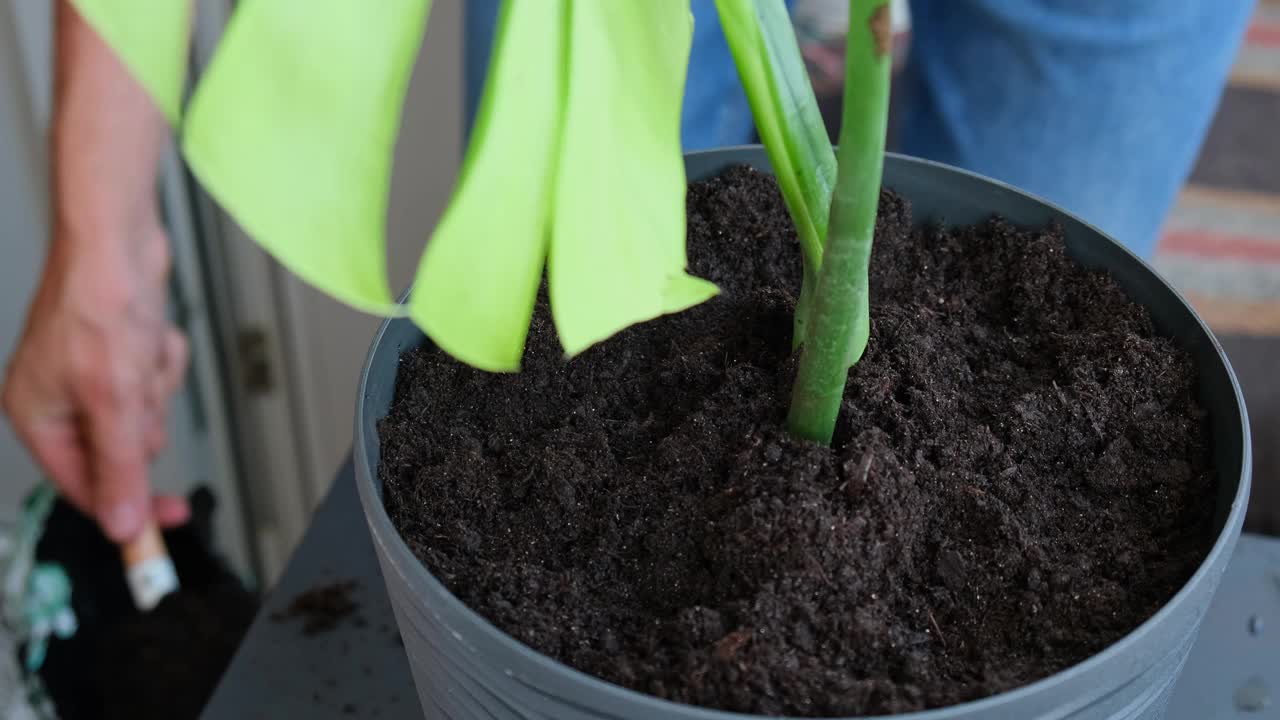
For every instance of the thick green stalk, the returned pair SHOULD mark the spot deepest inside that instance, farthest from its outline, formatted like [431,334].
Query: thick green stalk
[839,321]
[786,114]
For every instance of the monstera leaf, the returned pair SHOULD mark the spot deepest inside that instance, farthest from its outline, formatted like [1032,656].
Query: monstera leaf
[475,288]
[575,158]
[293,130]
[574,162]
[618,225]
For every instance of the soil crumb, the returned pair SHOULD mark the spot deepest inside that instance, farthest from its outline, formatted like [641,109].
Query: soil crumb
[1020,476]
[322,608]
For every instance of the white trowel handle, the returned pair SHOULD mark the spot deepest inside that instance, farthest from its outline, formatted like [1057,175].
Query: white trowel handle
[148,568]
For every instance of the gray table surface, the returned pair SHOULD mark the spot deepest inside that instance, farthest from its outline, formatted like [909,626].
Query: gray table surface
[359,668]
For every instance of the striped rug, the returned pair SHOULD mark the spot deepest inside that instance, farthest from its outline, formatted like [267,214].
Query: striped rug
[1221,246]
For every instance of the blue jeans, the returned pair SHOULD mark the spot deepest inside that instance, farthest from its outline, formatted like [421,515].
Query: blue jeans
[1099,106]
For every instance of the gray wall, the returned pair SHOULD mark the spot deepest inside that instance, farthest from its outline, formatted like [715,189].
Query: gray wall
[23,227]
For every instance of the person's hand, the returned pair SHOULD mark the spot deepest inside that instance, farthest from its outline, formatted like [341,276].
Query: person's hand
[89,385]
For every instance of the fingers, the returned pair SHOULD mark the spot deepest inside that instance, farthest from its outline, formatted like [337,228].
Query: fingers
[174,355]
[59,450]
[115,417]
[127,429]
[170,510]
[49,430]
[155,435]
[120,484]
[170,370]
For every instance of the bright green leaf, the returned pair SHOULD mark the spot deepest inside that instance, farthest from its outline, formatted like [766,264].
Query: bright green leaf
[479,277]
[617,252]
[293,127]
[150,36]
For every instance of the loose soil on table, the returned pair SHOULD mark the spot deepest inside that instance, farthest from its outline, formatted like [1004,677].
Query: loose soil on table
[1019,477]
[321,608]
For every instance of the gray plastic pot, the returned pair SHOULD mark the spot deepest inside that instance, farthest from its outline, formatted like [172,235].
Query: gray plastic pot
[467,669]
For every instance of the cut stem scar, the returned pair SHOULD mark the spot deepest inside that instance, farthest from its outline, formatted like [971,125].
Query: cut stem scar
[881,29]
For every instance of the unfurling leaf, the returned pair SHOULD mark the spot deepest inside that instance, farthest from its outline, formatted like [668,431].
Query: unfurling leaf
[786,114]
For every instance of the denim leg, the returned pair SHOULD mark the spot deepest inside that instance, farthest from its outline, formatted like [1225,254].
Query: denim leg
[478,26]
[715,110]
[1097,105]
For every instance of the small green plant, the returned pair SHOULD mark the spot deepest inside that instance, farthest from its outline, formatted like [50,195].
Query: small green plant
[832,315]
[574,168]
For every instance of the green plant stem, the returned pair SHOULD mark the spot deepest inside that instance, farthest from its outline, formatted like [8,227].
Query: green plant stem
[839,321]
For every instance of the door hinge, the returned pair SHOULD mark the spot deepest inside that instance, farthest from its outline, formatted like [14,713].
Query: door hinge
[256,373]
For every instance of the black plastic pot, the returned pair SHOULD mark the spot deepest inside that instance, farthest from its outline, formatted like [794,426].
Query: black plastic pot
[466,669]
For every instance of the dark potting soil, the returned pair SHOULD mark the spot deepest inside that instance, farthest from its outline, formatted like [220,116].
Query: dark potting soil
[321,608]
[1019,477]
[165,663]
